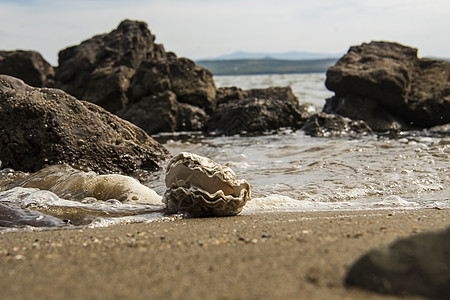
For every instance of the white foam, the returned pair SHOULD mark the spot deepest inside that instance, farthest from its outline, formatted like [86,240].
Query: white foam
[33,197]
[69,183]
[281,203]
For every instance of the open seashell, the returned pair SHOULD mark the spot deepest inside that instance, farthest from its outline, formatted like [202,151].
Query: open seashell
[200,187]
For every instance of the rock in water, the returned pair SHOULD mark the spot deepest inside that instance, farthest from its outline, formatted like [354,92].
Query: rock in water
[418,265]
[255,111]
[388,86]
[18,217]
[41,126]
[126,72]
[330,125]
[201,187]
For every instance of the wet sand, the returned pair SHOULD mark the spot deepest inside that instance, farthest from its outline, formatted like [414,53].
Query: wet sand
[268,256]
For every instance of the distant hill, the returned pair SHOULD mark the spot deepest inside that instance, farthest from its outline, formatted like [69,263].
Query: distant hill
[266,66]
[292,55]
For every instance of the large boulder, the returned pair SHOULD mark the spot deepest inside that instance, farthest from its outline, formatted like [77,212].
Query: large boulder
[40,126]
[261,110]
[417,265]
[99,69]
[125,67]
[29,66]
[388,86]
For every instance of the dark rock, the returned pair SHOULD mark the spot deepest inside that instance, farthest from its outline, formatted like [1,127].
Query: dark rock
[417,265]
[283,93]
[441,129]
[99,69]
[411,90]
[266,110]
[428,102]
[163,113]
[157,113]
[363,108]
[191,118]
[379,70]
[329,125]
[192,84]
[40,126]
[125,72]
[29,66]
[225,94]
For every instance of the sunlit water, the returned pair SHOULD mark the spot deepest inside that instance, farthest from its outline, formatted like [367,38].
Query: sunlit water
[288,171]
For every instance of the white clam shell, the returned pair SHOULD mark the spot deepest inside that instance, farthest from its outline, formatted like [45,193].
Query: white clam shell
[200,187]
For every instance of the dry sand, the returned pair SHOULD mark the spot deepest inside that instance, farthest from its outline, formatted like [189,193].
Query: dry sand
[267,256]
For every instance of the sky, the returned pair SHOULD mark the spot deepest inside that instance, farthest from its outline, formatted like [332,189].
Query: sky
[207,28]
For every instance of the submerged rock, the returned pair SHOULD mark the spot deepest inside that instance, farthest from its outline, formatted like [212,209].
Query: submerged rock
[356,107]
[260,110]
[41,126]
[29,66]
[330,125]
[17,217]
[201,187]
[389,87]
[418,265]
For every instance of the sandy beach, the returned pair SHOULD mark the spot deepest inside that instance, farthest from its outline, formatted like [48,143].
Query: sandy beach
[266,256]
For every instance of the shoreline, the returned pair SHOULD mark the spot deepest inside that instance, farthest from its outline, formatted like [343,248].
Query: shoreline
[296,255]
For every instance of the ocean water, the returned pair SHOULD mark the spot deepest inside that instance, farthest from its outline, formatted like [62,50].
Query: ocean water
[287,171]
[309,88]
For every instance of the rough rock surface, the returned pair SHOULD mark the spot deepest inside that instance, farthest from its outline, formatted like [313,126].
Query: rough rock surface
[260,110]
[154,114]
[225,94]
[356,107]
[418,265]
[163,113]
[99,69]
[29,66]
[191,118]
[388,86]
[190,83]
[123,68]
[330,125]
[40,126]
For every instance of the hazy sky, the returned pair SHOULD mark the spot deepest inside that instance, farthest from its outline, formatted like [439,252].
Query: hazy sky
[207,28]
